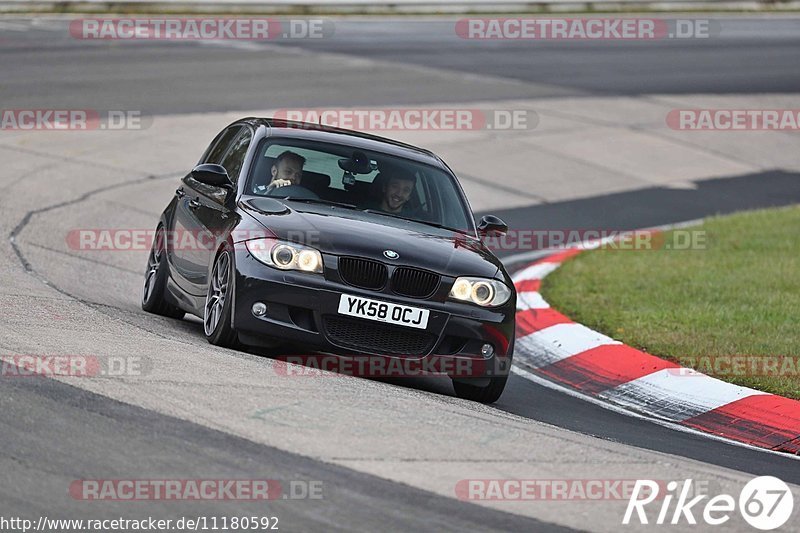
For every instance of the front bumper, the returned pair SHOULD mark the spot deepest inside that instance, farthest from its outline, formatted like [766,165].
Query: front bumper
[302,311]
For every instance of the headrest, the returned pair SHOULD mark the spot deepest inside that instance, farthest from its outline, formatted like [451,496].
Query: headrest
[315,181]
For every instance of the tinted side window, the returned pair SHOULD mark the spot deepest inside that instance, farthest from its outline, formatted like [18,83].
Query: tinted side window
[219,149]
[234,159]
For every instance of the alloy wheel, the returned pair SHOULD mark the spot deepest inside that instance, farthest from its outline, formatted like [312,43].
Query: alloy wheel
[217,293]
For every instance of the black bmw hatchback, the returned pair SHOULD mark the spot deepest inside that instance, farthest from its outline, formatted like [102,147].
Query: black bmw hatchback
[290,234]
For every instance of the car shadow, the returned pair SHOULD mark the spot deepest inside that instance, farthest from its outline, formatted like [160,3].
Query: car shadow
[312,362]
[436,384]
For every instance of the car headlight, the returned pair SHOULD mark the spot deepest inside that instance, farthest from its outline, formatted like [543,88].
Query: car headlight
[285,255]
[481,291]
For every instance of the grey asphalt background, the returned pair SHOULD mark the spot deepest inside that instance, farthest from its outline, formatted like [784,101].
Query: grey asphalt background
[52,427]
[88,436]
[44,66]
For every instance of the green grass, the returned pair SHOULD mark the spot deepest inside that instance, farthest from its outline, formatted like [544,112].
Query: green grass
[740,295]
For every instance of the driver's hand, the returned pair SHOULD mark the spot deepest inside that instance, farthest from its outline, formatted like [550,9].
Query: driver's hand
[280,183]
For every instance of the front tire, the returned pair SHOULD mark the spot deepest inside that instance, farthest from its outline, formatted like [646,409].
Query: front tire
[155,280]
[217,311]
[484,394]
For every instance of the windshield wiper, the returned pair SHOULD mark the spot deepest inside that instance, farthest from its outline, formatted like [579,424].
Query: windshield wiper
[320,201]
[401,217]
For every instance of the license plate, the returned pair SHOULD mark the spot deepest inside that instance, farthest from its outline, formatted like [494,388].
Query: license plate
[402,315]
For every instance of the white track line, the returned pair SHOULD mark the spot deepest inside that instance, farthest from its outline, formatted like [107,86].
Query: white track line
[531,300]
[561,341]
[674,396]
[11,26]
[537,271]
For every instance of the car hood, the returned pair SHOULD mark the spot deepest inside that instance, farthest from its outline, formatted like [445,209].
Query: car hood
[341,231]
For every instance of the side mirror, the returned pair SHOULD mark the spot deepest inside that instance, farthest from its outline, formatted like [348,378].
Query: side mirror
[491,224]
[211,174]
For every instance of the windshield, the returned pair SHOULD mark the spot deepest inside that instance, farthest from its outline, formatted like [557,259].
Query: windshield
[373,182]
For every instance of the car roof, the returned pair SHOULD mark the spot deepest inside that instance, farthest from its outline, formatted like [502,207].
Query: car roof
[365,141]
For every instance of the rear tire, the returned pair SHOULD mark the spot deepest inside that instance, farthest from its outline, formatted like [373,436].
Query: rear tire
[217,311]
[155,281]
[486,394]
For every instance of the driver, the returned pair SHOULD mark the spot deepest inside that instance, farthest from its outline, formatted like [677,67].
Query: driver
[287,170]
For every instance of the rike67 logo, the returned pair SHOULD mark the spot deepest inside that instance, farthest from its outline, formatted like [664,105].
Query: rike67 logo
[766,503]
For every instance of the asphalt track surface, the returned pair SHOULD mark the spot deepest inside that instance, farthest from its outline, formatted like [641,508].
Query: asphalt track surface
[90,433]
[92,437]
[44,66]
